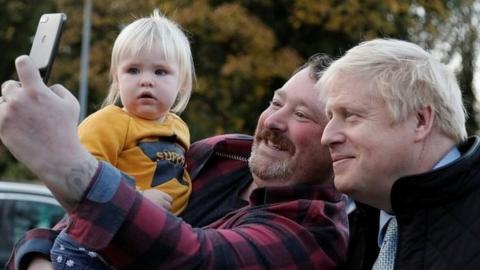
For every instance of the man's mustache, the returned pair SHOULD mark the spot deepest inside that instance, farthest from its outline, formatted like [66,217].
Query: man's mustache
[275,138]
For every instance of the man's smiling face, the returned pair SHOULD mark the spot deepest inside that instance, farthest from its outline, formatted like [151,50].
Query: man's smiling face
[287,148]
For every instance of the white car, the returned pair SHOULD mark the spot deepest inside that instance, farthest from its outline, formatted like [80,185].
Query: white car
[24,206]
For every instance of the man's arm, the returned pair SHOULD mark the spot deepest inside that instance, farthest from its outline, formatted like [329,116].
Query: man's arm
[131,232]
[39,126]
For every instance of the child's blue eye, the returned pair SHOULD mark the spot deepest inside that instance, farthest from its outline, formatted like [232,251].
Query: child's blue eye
[133,70]
[160,72]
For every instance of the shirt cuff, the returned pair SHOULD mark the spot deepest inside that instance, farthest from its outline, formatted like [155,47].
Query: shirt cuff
[39,243]
[103,209]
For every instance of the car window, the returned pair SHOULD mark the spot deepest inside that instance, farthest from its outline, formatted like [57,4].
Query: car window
[18,216]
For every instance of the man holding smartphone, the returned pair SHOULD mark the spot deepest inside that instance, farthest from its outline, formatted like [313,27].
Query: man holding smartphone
[296,219]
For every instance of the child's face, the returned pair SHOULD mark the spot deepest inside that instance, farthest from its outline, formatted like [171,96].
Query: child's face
[148,84]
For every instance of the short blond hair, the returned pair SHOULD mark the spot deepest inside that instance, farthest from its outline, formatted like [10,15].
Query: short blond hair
[146,33]
[408,78]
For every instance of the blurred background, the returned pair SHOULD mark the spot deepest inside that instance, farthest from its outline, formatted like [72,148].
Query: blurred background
[243,50]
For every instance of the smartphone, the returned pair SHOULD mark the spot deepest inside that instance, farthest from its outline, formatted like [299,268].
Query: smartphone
[46,40]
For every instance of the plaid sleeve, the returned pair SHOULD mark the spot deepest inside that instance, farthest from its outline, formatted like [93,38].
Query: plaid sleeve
[35,242]
[133,233]
[103,209]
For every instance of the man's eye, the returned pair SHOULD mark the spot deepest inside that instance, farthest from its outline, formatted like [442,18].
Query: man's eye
[133,70]
[300,114]
[275,103]
[350,116]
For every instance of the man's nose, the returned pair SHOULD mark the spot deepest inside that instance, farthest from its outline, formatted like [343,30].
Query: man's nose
[332,133]
[277,120]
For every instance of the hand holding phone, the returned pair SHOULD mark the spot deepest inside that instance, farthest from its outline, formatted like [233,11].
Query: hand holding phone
[45,42]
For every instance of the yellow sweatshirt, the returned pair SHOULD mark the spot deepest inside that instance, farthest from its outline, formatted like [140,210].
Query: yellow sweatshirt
[151,152]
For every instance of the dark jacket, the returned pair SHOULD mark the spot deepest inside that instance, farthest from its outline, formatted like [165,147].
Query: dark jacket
[438,215]
[362,245]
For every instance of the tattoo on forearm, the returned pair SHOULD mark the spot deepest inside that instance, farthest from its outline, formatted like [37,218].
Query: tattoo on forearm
[77,181]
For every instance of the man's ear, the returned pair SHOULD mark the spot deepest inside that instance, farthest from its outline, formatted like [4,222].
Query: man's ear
[424,122]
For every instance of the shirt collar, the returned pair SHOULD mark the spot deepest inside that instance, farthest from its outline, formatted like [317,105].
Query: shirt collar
[269,195]
[450,157]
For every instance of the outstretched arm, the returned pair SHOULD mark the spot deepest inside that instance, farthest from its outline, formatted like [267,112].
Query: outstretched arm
[39,126]
[130,232]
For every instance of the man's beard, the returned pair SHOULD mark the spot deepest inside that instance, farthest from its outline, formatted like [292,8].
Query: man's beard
[268,169]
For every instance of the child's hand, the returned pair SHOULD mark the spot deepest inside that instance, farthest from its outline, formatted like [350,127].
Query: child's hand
[159,198]
[40,263]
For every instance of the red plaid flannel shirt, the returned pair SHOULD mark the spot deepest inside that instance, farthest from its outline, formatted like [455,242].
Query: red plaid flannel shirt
[298,227]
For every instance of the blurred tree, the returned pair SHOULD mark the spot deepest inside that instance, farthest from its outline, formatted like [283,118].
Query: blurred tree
[467,51]
[18,21]
[243,50]
[457,39]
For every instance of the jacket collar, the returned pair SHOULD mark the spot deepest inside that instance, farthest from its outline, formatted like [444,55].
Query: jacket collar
[441,185]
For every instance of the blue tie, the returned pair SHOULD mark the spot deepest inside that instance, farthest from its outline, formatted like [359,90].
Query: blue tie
[386,256]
